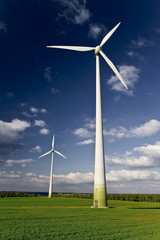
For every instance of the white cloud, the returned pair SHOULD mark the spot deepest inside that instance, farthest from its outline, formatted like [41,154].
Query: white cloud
[131,53]
[87,132]
[148,129]
[75,178]
[141,42]
[119,132]
[135,54]
[23,104]
[152,151]
[129,160]
[35,111]
[27,114]
[118,181]
[112,176]
[70,178]
[82,16]
[47,73]
[44,131]
[10,163]
[145,130]
[43,110]
[36,149]
[30,174]
[95,30]
[3,26]
[4,174]
[11,130]
[74,11]
[82,132]
[90,123]
[39,123]
[40,179]
[138,44]
[55,90]
[140,157]
[128,175]
[85,142]
[130,75]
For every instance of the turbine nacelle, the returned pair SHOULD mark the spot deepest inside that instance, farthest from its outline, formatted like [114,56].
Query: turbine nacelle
[52,151]
[97,50]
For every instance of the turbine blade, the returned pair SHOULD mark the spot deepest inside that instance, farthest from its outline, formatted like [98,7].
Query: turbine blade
[53,142]
[75,48]
[59,153]
[113,68]
[109,35]
[45,154]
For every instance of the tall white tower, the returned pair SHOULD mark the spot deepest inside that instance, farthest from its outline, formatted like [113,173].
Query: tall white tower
[100,197]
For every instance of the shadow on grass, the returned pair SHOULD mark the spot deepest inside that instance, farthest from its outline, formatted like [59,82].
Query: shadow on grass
[146,208]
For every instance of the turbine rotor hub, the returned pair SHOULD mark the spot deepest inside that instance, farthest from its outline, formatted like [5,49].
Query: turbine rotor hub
[98,48]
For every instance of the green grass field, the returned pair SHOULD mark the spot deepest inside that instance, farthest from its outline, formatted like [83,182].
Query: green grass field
[65,218]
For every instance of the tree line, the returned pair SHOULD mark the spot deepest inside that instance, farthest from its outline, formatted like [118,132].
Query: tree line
[17,194]
[121,197]
[135,197]
[74,195]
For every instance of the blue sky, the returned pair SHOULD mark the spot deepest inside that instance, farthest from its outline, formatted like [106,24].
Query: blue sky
[45,91]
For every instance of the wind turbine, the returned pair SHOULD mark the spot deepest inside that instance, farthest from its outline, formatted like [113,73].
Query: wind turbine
[51,174]
[100,199]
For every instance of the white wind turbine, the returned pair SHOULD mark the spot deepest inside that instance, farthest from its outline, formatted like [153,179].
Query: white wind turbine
[100,199]
[51,174]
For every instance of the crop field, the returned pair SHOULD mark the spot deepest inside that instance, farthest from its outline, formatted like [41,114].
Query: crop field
[66,218]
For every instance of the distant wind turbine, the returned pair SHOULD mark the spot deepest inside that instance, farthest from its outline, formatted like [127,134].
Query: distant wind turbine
[51,174]
[100,198]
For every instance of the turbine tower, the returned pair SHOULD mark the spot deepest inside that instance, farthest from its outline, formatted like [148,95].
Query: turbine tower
[51,174]
[100,196]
